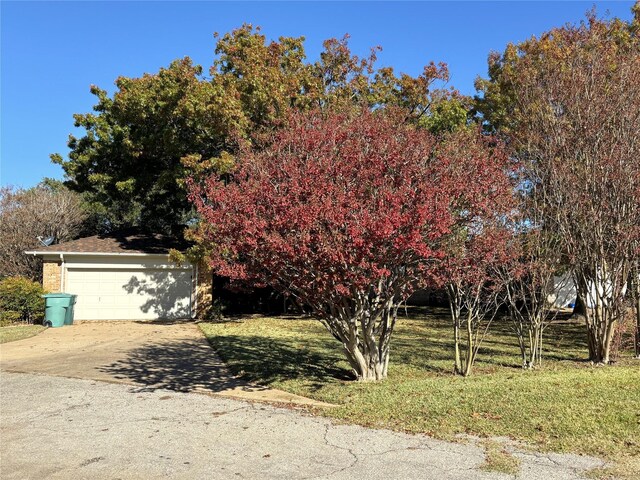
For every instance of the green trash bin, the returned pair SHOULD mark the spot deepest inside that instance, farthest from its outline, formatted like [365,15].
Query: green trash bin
[68,318]
[57,309]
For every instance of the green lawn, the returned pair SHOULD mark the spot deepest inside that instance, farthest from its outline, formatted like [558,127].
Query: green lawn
[568,406]
[13,333]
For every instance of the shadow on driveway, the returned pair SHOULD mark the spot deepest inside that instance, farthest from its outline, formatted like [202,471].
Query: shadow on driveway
[149,356]
[181,365]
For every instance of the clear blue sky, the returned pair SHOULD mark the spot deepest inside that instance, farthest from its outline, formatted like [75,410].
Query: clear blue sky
[52,52]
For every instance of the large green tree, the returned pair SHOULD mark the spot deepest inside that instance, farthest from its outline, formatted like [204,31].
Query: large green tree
[142,142]
[128,161]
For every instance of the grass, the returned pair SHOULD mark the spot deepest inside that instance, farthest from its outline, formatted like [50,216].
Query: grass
[625,468]
[567,406]
[499,459]
[18,332]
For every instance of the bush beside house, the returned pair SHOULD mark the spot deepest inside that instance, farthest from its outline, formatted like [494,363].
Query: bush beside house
[20,301]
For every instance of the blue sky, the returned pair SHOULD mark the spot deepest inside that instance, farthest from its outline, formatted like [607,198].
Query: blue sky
[52,52]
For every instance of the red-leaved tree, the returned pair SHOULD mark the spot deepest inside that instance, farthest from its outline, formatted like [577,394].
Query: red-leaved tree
[473,288]
[346,213]
[480,244]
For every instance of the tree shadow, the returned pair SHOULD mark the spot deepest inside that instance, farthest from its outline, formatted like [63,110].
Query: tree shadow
[181,365]
[428,345]
[159,288]
[262,359]
[139,240]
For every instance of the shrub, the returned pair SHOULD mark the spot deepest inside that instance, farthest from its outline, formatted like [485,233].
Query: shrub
[20,301]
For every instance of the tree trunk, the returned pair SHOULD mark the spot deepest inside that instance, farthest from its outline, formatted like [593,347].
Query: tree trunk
[367,367]
[454,307]
[541,332]
[637,342]
[533,347]
[365,340]
[599,318]
[610,328]
[635,291]
[536,329]
[519,328]
[469,358]
[456,339]
[592,341]
[600,333]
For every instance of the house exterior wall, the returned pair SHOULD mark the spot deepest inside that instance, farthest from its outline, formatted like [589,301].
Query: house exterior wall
[204,291]
[51,272]
[564,291]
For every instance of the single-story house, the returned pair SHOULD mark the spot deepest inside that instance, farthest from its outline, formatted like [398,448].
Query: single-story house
[126,275]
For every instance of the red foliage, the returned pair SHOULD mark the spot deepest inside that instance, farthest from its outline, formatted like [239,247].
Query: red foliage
[481,239]
[339,202]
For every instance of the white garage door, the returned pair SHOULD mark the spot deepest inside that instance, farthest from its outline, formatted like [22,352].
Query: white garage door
[116,294]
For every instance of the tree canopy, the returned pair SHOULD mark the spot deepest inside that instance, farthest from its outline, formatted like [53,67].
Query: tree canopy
[347,213]
[141,143]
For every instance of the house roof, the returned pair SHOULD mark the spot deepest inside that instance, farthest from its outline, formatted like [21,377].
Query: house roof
[130,241]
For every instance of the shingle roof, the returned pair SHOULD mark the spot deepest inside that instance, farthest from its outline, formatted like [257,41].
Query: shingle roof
[122,241]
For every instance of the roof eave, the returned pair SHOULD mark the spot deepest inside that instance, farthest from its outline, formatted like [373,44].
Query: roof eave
[102,254]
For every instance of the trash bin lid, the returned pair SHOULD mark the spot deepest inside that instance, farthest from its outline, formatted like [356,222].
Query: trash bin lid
[57,295]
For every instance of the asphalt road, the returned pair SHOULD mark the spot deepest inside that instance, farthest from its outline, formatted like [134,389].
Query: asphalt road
[54,427]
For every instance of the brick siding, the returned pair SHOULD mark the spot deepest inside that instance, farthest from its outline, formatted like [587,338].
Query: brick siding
[204,291]
[51,276]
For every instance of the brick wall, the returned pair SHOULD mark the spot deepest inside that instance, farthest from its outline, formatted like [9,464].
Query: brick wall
[51,276]
[204,291]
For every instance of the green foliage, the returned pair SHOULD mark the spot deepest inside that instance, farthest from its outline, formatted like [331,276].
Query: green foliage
[141,144]
[496,103]
[128,162]
[447,115]
[20,301]
[52,184]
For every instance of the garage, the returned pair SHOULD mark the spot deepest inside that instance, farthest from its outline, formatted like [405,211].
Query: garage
[130,294]
[123,276]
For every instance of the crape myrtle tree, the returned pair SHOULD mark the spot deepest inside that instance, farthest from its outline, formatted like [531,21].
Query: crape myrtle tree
[140,143]
[535,275]
[473,288]
[479,245]
[531,280]
[573,101]
[345,212]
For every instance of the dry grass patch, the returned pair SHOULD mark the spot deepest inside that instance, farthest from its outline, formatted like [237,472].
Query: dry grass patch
[499,459]
[625,468]
[18,332]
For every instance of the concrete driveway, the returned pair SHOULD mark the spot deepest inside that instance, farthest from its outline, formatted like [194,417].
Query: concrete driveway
[61,428]
[155,355]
